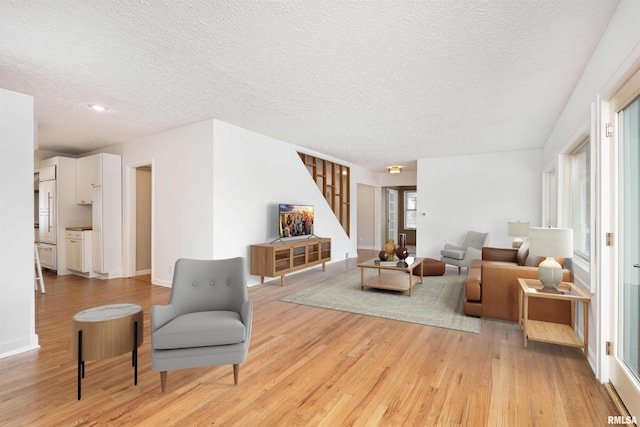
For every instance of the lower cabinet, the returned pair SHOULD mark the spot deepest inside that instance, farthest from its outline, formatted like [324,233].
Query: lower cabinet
[78,248]
[47,255]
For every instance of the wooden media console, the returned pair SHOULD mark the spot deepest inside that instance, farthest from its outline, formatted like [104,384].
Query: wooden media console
[282,257]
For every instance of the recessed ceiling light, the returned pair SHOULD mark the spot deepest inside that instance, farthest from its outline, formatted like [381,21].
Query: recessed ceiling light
[96,107]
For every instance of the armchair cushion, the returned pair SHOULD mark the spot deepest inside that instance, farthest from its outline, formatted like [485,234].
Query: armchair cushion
[453,253]
[201,329]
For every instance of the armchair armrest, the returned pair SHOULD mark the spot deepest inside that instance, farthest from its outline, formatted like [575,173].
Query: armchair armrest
[499,254]
[161,315]
[246,314]
[454,247]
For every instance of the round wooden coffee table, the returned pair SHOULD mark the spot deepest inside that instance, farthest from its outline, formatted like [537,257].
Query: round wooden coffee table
[107,331]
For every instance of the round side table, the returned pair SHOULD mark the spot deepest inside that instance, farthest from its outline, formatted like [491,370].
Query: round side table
[107,331]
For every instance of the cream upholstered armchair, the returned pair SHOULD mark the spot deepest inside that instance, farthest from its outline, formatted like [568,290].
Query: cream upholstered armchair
[471,248]
[207,321]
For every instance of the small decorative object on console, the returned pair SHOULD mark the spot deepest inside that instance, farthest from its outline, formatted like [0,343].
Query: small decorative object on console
[390,247]
[402,252]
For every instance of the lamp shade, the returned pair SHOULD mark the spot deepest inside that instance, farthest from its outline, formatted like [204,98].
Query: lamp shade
[551,242]
[517,229]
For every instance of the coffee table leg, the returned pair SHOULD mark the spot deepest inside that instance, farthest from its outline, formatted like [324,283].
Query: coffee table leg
[80,365]
[410,283]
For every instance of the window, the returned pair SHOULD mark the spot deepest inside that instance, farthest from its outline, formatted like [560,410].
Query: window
[550,218]
[410,209]
[580,200]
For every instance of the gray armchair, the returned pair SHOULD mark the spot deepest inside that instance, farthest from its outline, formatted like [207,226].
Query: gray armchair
[207,321]
[471,248]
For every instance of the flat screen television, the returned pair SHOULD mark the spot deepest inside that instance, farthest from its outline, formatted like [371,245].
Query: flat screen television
[295,220]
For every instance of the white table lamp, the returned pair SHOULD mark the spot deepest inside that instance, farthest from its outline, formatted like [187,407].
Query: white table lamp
[518,230]
[550,243]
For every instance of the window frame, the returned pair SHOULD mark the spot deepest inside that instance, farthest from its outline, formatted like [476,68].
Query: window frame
[407,196]
[579,200]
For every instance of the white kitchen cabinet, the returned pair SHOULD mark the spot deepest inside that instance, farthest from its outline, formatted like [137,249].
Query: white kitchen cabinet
[63,211]
[88,175]
[78,245]
[106,215]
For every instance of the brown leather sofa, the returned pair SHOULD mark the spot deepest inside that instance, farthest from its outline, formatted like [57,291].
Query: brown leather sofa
[492,287]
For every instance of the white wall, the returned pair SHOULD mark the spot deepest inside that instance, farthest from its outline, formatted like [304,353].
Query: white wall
[253,174]
[216,190]
[614,59]
[478,192]
[17,312]
[406,178]
[367,203]
[182,176]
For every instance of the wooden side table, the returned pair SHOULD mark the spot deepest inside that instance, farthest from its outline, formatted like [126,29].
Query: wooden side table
[553,333]
[107,331]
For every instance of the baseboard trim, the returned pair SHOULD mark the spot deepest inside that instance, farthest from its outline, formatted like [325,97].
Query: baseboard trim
[619,404]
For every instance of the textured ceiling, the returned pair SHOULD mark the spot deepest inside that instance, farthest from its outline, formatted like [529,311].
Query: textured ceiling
[374,82]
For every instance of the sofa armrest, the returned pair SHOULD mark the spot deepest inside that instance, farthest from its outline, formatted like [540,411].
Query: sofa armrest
[500,254]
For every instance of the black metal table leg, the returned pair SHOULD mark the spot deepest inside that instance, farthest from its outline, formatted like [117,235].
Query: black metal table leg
[80,365]
[134,354]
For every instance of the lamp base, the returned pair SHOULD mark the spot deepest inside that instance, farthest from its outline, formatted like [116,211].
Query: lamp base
[550,272]
[517,242]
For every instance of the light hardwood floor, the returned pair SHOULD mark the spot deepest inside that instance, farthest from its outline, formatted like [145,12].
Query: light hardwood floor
[306,366]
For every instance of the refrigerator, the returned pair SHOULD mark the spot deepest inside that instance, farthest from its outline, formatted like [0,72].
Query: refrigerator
[47,218]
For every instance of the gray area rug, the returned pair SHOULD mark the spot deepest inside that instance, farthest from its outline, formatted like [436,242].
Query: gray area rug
[436,302]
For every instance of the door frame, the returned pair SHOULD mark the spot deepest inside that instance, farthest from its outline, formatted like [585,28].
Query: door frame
[129,217]
[618,375]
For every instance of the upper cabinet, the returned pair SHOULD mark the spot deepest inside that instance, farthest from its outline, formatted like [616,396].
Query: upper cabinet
[88,176]
[99,183]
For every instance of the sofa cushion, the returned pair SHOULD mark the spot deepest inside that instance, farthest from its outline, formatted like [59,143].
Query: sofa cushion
[534,261]
[200,329]
[523,253]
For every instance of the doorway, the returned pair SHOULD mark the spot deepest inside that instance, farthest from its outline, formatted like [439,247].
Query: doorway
[138,220]
[400,207]
[143,221]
